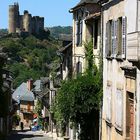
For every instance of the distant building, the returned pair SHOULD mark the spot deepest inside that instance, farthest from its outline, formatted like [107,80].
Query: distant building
[24,23]
[25,97]
[42,93]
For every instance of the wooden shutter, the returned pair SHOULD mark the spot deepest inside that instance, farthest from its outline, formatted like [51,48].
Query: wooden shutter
[115,38]
[112,37]
[76,33]
[107,39]
[124,21]
[119,109]
[108,104]
[81,30]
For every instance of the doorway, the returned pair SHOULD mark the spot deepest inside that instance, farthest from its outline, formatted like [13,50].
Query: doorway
[130,118]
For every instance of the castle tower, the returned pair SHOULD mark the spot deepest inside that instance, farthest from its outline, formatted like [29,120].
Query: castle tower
[37,24]
[27,21]
[41,26]
[13,17]
[24,23]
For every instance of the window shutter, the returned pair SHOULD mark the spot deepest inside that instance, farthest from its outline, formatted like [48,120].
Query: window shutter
[115,38]
[119,110]
[107,40]
[113,33]
[108,104]
[81,30]
[76,33]
[124,21]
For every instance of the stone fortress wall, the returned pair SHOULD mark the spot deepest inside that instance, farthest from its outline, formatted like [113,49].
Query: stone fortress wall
[24,23]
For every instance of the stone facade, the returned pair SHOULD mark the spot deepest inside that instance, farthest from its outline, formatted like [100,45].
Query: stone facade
[24,23]
[120,114]
[86,27]
[26,112]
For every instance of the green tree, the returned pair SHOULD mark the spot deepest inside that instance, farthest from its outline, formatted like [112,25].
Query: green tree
[78,100]
[30,57]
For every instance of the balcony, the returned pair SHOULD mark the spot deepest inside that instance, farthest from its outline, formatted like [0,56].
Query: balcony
[133,47]
[25,110]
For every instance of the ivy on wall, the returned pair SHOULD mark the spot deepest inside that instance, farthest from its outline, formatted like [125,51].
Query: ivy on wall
[78,100]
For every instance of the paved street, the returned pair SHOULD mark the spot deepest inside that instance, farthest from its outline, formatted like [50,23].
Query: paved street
[28,135]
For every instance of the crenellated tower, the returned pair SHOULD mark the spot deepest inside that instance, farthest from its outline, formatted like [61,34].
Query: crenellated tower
[13,17]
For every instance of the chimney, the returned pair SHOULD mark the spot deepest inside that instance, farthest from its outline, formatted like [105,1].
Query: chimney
[30,84]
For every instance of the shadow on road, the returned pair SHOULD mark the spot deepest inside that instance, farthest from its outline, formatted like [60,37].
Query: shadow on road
[20,135]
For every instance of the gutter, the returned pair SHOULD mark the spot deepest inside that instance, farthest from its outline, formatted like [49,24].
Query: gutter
[78,6]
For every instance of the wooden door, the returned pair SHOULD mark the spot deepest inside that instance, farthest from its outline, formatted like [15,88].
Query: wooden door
[132,125]
[130,117]
[29,107]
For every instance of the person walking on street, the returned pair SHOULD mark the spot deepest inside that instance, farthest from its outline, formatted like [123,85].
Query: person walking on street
[21,126]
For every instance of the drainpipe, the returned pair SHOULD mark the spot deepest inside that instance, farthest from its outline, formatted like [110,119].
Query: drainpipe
[101,107]
[137,15]
[137,103]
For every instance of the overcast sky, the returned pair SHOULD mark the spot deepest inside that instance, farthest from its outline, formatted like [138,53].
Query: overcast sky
[56,12]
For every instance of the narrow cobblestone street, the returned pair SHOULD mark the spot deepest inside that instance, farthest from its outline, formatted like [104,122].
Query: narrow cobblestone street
[28,135]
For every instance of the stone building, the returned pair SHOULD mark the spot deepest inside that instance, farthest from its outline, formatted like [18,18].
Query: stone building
[25,97]
[121,70]
[86,27]
[24,23]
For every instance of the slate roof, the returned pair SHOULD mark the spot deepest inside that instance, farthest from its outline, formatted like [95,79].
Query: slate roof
[65,48]
[45,80]
[22,93]
[37,85]
[83,2]
[39,90]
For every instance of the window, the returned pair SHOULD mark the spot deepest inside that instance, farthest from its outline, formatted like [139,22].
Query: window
[79,67]
[119,36]
[119,109]
[95,34]
[114,30]
[79,30]
[116,38]
[108,104]
[124,23]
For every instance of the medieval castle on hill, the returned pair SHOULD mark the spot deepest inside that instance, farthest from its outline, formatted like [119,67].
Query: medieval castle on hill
[24,23]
